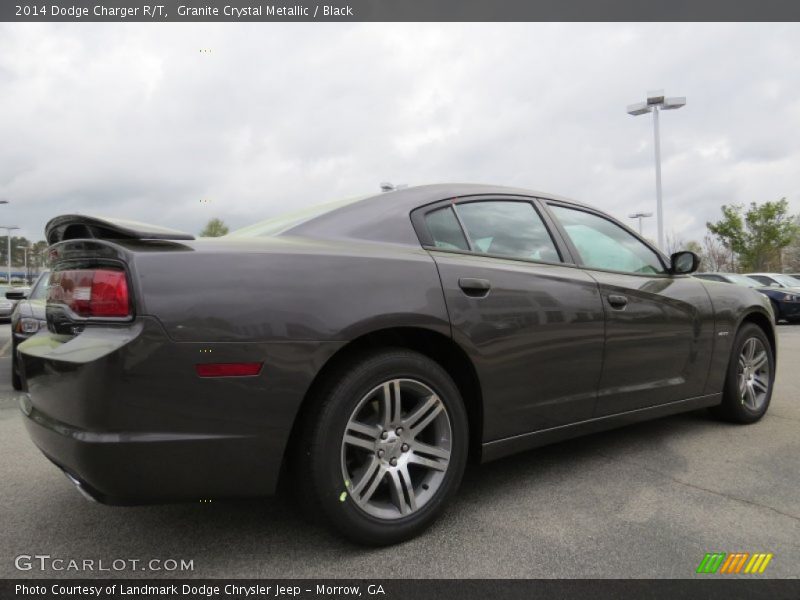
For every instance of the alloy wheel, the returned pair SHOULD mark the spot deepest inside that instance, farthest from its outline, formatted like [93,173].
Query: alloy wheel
[396,449]
[753,374]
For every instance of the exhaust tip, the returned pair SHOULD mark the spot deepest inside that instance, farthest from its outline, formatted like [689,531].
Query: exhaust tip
[81,487]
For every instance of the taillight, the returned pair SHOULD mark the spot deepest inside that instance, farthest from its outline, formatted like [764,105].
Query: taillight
[91,292]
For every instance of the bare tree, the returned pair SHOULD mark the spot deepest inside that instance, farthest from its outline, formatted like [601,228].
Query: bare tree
[716,256]
[673,243]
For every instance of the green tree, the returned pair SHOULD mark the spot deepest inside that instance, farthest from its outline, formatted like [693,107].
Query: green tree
[214,228]
[756,235]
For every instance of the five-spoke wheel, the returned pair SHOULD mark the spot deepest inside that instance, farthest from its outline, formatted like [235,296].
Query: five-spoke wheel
[385,447]
[754,373]
[751,373]
[396,448]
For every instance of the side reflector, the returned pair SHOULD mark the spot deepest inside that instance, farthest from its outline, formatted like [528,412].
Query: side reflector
[228,369]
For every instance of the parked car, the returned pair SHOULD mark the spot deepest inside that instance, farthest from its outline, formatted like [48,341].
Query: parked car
[361,352]
[785,304]
[7,304]
[778,280]
[27,319]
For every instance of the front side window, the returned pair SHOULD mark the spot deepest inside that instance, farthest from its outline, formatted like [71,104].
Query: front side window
[602,244]
[507,228]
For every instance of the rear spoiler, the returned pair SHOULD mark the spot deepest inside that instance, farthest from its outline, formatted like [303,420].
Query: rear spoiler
[74,227]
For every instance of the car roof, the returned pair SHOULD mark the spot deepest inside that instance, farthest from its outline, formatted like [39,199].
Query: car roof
[384,217]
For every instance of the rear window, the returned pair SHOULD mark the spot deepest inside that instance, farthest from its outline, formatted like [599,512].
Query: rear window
[39,291]
[286,221]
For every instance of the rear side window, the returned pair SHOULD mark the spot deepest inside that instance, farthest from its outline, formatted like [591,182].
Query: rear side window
[507,228]
[445,230]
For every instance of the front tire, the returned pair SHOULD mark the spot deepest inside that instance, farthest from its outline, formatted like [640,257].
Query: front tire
[750,377]
[386,449]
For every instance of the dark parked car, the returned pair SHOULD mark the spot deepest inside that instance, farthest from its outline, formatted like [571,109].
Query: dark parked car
[360,353]
[785,304]
[28,318]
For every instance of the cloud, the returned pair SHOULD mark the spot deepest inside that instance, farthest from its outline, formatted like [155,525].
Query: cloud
[133,120]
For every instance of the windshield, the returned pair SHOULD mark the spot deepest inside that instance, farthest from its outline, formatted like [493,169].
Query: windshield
[39,291]
[744,280]
[283,222]
[786,280]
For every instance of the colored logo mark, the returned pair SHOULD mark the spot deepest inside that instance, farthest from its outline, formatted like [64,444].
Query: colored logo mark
[734,563]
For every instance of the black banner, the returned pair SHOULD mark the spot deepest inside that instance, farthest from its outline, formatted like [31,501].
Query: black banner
[393,589]
[397,10]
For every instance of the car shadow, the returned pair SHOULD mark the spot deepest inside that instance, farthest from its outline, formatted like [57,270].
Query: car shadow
[266,526]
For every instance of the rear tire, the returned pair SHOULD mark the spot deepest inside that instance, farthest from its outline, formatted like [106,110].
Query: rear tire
[750,377]
[384,449]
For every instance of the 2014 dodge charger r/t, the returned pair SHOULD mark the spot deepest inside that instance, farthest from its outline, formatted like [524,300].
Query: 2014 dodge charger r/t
[359,353]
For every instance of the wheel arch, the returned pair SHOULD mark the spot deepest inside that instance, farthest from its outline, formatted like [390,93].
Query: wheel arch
[763,321]
[436,346]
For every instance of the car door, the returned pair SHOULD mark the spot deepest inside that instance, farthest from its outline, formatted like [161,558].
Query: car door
[531,323]
[659,327]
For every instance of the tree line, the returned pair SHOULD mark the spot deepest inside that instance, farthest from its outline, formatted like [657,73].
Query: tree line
[759,237]
[24,253]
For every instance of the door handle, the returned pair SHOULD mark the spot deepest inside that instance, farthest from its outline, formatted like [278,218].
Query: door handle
[617,301]
[474,287]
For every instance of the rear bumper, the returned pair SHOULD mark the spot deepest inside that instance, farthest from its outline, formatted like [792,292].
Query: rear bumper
[121,410]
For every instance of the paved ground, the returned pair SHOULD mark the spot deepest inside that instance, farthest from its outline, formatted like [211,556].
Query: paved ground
[644,501]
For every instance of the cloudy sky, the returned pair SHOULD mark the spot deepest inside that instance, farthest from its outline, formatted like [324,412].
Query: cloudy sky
[133,120]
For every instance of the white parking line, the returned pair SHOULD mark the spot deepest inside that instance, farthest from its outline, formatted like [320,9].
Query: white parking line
[4,348]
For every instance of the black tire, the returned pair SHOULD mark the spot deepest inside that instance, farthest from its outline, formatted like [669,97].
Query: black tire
[734,407]
[320,456]
[16,380]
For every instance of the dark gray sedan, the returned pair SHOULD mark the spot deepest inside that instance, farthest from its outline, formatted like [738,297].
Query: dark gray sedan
[360,353]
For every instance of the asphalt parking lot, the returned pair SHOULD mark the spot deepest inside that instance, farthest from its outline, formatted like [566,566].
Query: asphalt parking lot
[648,500]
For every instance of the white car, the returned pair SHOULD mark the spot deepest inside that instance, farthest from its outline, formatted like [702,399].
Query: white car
[776,280]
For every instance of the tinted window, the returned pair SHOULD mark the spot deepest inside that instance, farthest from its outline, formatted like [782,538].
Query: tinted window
[603,244]
[281,223]
[40,290]
[761,279]
[507,229]
[445,230]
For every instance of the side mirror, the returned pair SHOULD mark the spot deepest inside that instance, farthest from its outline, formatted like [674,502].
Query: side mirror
[683,263]
[16,295]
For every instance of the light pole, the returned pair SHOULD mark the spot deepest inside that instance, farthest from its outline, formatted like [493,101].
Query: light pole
[655,103]
[640,216]
[9,229]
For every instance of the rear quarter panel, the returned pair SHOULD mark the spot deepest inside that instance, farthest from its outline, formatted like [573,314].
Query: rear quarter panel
[289,289]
